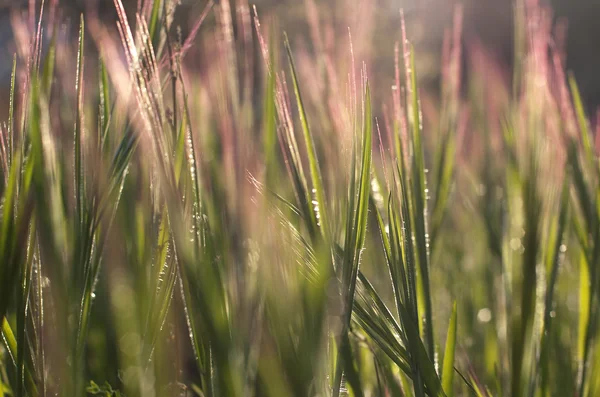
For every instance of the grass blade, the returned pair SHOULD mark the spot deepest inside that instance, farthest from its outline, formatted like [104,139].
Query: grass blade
[313,162]
[448,366]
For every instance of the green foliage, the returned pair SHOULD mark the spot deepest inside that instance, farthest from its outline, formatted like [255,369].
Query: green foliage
[150,238]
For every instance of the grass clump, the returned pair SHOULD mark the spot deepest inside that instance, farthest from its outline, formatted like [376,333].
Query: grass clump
[245,230]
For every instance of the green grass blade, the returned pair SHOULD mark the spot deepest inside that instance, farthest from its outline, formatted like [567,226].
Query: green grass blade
[419,210]
[581,187]
[11,111]
[393,254]
[49,65]
[22,314]
[313,162]
[584,313]
[553,257]
[77,139]
[425,365]
[378,322]
[448,366]
[355,237]
[105,104]
[445,173]
[399,266]
[581,120]
[153,28]
[270,126]
[8,337]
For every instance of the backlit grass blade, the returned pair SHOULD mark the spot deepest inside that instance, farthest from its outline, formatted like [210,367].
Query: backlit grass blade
[153,27]
[15,258]
[419,206]
[393,255]
[420,355]
[49,66]
[376,319]
[402,229]
[523,321]
[287,139]
[77,139]
[589,276]
[161,287]
[581,187]
[315,172]
[448,366]
[355,235]
[585,229]
[553,257]
[582,121]
[22,304]
[402,270]
[16,216]
[583,337]
[104,106]
[405,265]
[11,111]
[269,135]
[200,269]
[201,350]
[8,338]
[444,173]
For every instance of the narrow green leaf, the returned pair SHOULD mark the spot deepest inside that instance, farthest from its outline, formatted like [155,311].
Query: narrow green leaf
[581,120]
[378,322]
[11,111]
[270,125]
[448,366]
[445,172]
[425,366]
[79,187]
[313,162]
[355,238]
[105,104]
[419,210]
[555,249]
[584,307]
[49,64]
[153,27]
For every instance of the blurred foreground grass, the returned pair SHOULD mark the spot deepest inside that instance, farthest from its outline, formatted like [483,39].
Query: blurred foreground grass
[253,229]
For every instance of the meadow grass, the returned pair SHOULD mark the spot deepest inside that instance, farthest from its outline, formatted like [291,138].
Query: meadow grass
[262,227]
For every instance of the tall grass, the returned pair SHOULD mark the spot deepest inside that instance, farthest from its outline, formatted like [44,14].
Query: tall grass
[262,226]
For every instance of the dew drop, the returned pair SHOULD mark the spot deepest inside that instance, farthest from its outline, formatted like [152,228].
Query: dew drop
[515,244]
[484,315]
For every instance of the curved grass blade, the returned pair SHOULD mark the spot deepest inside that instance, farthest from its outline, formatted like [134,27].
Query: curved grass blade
[378,322]
[448,366]
[313,162]
[419,353]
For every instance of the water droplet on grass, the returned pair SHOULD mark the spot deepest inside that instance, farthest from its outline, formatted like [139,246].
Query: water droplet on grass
[484,315]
